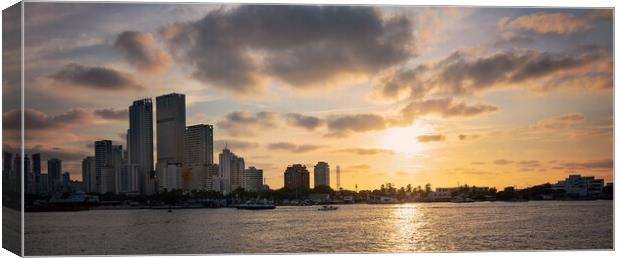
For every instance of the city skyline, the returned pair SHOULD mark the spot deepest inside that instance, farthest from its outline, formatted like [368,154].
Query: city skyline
[480,110]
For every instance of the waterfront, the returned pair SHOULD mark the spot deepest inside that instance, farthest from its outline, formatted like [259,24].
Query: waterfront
[544,225]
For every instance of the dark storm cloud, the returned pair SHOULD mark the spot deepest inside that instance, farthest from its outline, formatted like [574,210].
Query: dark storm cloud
[293,147]
[100,78]
[142,51]
[245,123]
[303,121]
[112,114]
[431,138]
[303,46]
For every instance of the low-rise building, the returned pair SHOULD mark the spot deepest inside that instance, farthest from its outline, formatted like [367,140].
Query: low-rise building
[580,186]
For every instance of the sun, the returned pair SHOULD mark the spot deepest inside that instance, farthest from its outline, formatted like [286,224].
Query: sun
[403,139]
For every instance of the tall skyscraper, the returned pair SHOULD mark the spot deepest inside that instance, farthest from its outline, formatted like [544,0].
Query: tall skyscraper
[28,175]
[140,141]
[103,164]
[170,128]
[321,174]
[89,184]
[113,180]
[36,171]
[253,180]
[232,169]
[198,145]
[170,139]
[54,168]
[296,176]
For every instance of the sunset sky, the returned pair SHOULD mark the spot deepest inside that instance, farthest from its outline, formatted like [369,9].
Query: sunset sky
[478,96]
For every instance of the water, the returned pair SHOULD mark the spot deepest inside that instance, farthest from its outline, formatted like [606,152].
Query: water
[351,228]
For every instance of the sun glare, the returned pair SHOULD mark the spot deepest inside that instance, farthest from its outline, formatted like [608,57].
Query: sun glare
[403,139]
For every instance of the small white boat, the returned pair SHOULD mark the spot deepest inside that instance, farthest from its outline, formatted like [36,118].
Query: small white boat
[328,208]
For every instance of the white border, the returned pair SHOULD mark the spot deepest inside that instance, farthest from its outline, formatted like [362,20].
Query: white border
[505,3]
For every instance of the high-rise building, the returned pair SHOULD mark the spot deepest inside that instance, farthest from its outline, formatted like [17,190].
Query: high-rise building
[296,176]
[66,182]
[36,171]
[113,180]
[16,174]
[253,180]
[140,142]
[129,179]
[212,172]
[104,165]
[321,174]
[198,145]
[89,184]
[170,139]
[170,128]
[28,175]
[232,169]
[54,168]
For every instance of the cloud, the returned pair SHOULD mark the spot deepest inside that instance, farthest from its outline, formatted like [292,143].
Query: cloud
[293,147]
[558,122]
[37,120]
[546,23]
[238,49]
[245,123]
[141,50]
[99,78]
[363,151]
[503,162]
[303,121]
[465,73]
[592,164]
[463,137]
[112,114]
[343,125]
[49,153]
[529,163]
[431,138]
[445,107]
[233,145]
[356,123]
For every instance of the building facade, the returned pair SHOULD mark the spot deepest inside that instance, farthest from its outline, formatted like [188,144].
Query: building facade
[140,142]
[321,174]
[253,180]
[54,169]
[580,186]
[103,165]
[89,184]
[231,173]
[296,177]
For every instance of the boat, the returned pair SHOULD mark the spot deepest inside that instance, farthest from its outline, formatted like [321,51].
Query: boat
[256,206]
[328,208]
[460,199]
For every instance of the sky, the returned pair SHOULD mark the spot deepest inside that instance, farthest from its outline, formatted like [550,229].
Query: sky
[391,94]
